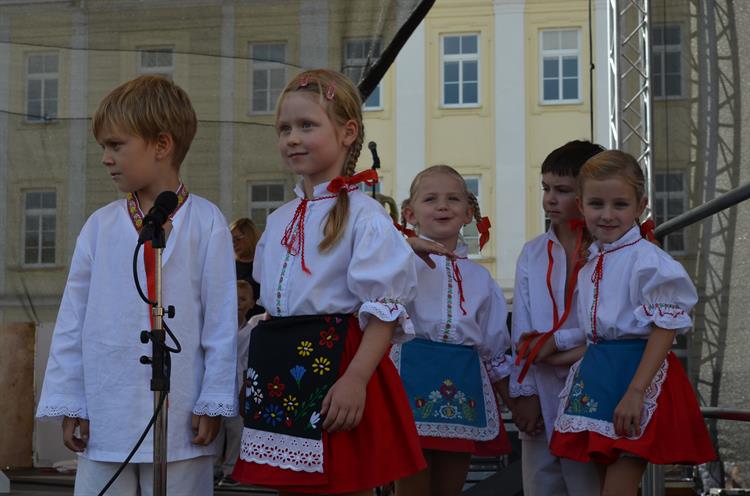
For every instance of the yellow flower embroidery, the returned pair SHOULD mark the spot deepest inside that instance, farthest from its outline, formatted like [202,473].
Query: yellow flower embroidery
[321,365]
[290,403]
[305,348]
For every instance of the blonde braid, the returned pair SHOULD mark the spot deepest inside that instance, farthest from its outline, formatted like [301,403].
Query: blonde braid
[404,204]
[474,203]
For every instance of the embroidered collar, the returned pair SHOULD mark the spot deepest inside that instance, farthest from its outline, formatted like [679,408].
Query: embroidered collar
[461,251]
[633,234]
[320,191]
[137,215]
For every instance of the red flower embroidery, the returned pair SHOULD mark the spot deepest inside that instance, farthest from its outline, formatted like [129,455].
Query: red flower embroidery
[472,404]
[276,388]
[420,402]
[328,338]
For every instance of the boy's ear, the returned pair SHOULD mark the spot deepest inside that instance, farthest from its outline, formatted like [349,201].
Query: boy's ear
[164,145]
[579,203]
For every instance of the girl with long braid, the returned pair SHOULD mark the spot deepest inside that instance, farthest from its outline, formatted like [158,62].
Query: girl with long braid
[459,316]
[325,410]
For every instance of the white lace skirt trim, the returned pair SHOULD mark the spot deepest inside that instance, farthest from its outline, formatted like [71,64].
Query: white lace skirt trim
[282,451]
[456,431]
[576,423]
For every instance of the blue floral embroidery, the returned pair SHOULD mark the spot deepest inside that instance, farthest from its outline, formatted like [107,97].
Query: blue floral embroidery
[273,415]
[297,372]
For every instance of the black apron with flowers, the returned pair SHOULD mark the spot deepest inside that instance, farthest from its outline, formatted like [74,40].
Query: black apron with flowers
[292,363]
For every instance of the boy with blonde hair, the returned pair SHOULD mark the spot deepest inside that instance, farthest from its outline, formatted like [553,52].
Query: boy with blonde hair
[94,380]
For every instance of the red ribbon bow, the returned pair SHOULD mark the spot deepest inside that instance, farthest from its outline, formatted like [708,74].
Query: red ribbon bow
[483,226]
[369,177]
[460,282]
[647,230]
[409,233]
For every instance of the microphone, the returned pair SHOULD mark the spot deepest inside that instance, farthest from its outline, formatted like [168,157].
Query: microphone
[374,150]
[163,207]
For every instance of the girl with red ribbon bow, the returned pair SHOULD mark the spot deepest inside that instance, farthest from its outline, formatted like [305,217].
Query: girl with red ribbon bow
[325,410]
[628,401]
[459,316]
[545,332]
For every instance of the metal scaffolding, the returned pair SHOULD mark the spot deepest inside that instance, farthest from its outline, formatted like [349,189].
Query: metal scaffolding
[629,66]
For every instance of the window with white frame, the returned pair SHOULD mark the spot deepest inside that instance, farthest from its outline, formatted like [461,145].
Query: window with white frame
[39,227]
[460,70]
[156,60]
[560,59]
[666,61]
[469,231]
[42,79]
[358,55]
[670,200]
[267,76]
[264,198]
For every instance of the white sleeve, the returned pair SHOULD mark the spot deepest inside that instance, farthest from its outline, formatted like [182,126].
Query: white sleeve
[569,338]
[382,274]
[63,392]
[219,332]
[493,319]
[520,324]
[663,292]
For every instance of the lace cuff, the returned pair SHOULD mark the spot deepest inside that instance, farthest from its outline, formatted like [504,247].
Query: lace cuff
[62,405]
[526,388]
[498,368]
[664,315]
[216,408]
[388,310]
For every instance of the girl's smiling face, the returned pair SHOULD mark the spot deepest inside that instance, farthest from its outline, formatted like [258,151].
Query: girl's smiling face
[440,208]
[310,143]
[610,207]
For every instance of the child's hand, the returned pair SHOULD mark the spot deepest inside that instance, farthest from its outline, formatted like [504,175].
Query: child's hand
[547,349]
[70,440]
[627,417]
[567,357]
[344,404]
[527,414]
[205,429]
[424,247]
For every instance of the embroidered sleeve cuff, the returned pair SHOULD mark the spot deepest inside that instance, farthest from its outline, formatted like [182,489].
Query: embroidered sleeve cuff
[216,408]
[498,368]
[388,310]
[567,339]
[664,315]
[62,406]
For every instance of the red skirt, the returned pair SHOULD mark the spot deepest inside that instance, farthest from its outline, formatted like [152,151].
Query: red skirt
[495,447]
[676,433]
[384,446]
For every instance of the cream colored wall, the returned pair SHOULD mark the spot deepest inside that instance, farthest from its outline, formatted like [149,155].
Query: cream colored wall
[550,126]
[463,137]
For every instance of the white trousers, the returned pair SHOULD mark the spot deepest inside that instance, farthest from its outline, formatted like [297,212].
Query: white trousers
[547,475]
[193,477]
[230,436]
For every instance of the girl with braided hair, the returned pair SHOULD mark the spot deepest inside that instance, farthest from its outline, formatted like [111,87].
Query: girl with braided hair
[325,410]
[459,316]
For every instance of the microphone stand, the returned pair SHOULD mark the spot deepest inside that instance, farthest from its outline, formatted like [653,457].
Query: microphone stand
[160,368]
[375,164]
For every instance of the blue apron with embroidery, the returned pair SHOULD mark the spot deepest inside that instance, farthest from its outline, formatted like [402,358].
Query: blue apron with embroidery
[603,377]
[447,389]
